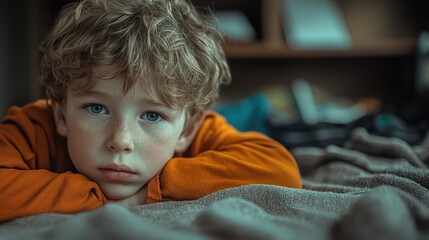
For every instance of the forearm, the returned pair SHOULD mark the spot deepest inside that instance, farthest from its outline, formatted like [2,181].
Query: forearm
[257,161]
[30,192]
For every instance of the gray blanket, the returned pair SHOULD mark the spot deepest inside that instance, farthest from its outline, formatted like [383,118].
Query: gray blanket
[372,188]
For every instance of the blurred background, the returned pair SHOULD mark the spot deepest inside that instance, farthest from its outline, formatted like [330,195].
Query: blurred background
[312,60]
[23,24]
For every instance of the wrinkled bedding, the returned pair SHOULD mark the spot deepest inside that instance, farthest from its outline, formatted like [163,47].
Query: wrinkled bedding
[370,188]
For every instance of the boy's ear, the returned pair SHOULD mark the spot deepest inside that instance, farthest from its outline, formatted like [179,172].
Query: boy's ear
[60,122]
[189,134]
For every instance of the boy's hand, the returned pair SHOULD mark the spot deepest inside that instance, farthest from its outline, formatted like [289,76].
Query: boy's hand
[137,199]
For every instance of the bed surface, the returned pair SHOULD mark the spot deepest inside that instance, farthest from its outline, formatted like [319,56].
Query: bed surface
[371,188]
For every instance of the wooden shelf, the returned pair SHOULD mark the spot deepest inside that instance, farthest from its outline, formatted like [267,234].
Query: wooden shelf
[263,49]
[379,62]
[381,28]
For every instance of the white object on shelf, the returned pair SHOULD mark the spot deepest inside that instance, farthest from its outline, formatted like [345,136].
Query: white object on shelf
[314,25]
[235,25]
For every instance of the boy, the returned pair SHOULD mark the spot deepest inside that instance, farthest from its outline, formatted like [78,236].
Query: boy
[127,121]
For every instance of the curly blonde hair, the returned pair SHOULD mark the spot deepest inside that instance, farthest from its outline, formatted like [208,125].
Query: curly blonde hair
[173,51]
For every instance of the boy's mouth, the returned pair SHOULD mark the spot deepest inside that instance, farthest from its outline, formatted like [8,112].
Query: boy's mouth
[118,173]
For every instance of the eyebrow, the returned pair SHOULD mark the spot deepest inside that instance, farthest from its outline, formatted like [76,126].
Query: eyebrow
[101,94]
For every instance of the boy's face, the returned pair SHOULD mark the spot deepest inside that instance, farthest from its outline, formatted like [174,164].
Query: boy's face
[119,140]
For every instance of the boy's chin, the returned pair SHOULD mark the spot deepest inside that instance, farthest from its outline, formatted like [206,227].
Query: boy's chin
[118,192]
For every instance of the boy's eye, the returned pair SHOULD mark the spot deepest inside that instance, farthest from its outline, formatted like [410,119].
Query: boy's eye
[151,116]
[96,108]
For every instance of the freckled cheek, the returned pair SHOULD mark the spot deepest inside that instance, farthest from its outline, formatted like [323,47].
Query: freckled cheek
[88,138]
[158,152]
[81,142]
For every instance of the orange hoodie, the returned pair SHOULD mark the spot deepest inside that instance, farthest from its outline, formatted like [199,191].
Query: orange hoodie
[37,176]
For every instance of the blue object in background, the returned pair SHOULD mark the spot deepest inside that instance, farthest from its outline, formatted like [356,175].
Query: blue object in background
[249,114]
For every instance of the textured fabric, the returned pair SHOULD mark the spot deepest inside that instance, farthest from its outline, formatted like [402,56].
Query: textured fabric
[37,175]
[373,188]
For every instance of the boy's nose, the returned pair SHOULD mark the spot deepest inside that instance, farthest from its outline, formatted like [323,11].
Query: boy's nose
[121,139]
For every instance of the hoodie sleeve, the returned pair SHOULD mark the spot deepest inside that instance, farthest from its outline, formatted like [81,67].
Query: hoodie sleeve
[222,157]
[34,176]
